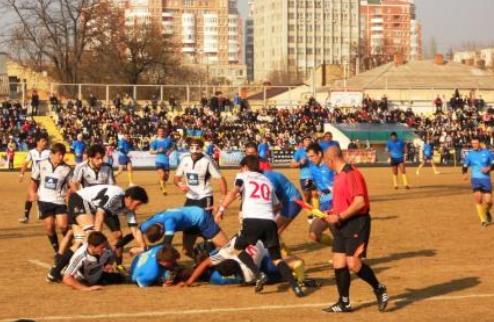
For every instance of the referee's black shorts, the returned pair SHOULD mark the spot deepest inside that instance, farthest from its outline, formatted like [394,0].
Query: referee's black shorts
[351,235]
[265,230]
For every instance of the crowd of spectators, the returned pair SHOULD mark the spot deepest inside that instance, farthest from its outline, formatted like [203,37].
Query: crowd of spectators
[230,126]
[16,127]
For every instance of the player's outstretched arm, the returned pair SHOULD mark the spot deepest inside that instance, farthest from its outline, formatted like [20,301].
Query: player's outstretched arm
[198,271]
[229,198]
[70,281]
[98,219]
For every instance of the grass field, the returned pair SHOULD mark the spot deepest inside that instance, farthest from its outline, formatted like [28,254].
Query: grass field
[426,245]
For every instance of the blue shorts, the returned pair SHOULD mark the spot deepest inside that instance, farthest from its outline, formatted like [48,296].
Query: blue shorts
[397,161]
[290,210]
[209,228]
[307,184]
[79,158]
[123,160]
[162,166]
[427,157]
[268,268]
[482,185]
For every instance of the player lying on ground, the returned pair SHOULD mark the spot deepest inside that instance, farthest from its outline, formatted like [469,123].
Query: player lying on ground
[259,205]
[158,266]
[228,269]
[87,209]
[49,185]
[91,267]
[189,220]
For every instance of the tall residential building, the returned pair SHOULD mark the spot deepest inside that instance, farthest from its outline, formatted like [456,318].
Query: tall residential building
[295,36]
[249,42]
[390,27]
[209,32]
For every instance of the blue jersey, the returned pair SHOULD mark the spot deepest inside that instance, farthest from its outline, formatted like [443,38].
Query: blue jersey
[427,150]
[145,269]
[299,155]
[263,151]
[326,144]
[123,147]
[476,160]
[162,146]
[78,147]
[284,189]
[322,176]
[323,179]
[178,219]
[210,150]
[396,148]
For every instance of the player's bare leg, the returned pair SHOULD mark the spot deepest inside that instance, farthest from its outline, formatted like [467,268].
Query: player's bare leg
[394,170]
[119,171]
[130,174]
[28,205]
[163,176]
[282,223]
[403,172]
[316,232]
[480,208]
[51,232]
[487,202]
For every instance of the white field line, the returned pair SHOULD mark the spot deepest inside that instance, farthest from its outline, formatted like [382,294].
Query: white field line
[39,263]
[228,310]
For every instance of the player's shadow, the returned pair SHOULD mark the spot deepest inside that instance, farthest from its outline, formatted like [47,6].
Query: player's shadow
[427,293]
[306,247]
[380,260]
[383,218]
[411,195]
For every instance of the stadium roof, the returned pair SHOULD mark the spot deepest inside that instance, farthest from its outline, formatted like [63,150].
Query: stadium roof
[422,74]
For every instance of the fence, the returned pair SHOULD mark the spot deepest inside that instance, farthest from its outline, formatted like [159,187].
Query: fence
[187,94]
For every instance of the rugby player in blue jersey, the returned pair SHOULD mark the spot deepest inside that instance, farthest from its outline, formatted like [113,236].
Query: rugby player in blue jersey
[397,150]
[162,147]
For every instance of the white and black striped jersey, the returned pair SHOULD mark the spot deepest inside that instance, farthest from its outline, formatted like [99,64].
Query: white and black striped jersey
[86,267]
[35,156]
[257,252]
[53,181]
[88,176]
[198,176]
[109,199]
[258,195]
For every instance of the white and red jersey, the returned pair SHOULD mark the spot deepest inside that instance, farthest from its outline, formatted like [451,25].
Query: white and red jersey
[258,195]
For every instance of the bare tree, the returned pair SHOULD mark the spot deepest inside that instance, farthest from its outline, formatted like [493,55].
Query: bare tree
[52,32]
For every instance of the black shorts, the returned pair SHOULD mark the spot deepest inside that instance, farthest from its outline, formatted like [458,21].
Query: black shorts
[265,230]
[111,278]
[48,209]
[112,222]
[351,235]
[203,203]
[77,206]
[397,161]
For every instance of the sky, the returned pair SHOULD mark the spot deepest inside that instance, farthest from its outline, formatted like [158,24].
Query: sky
[450,22]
